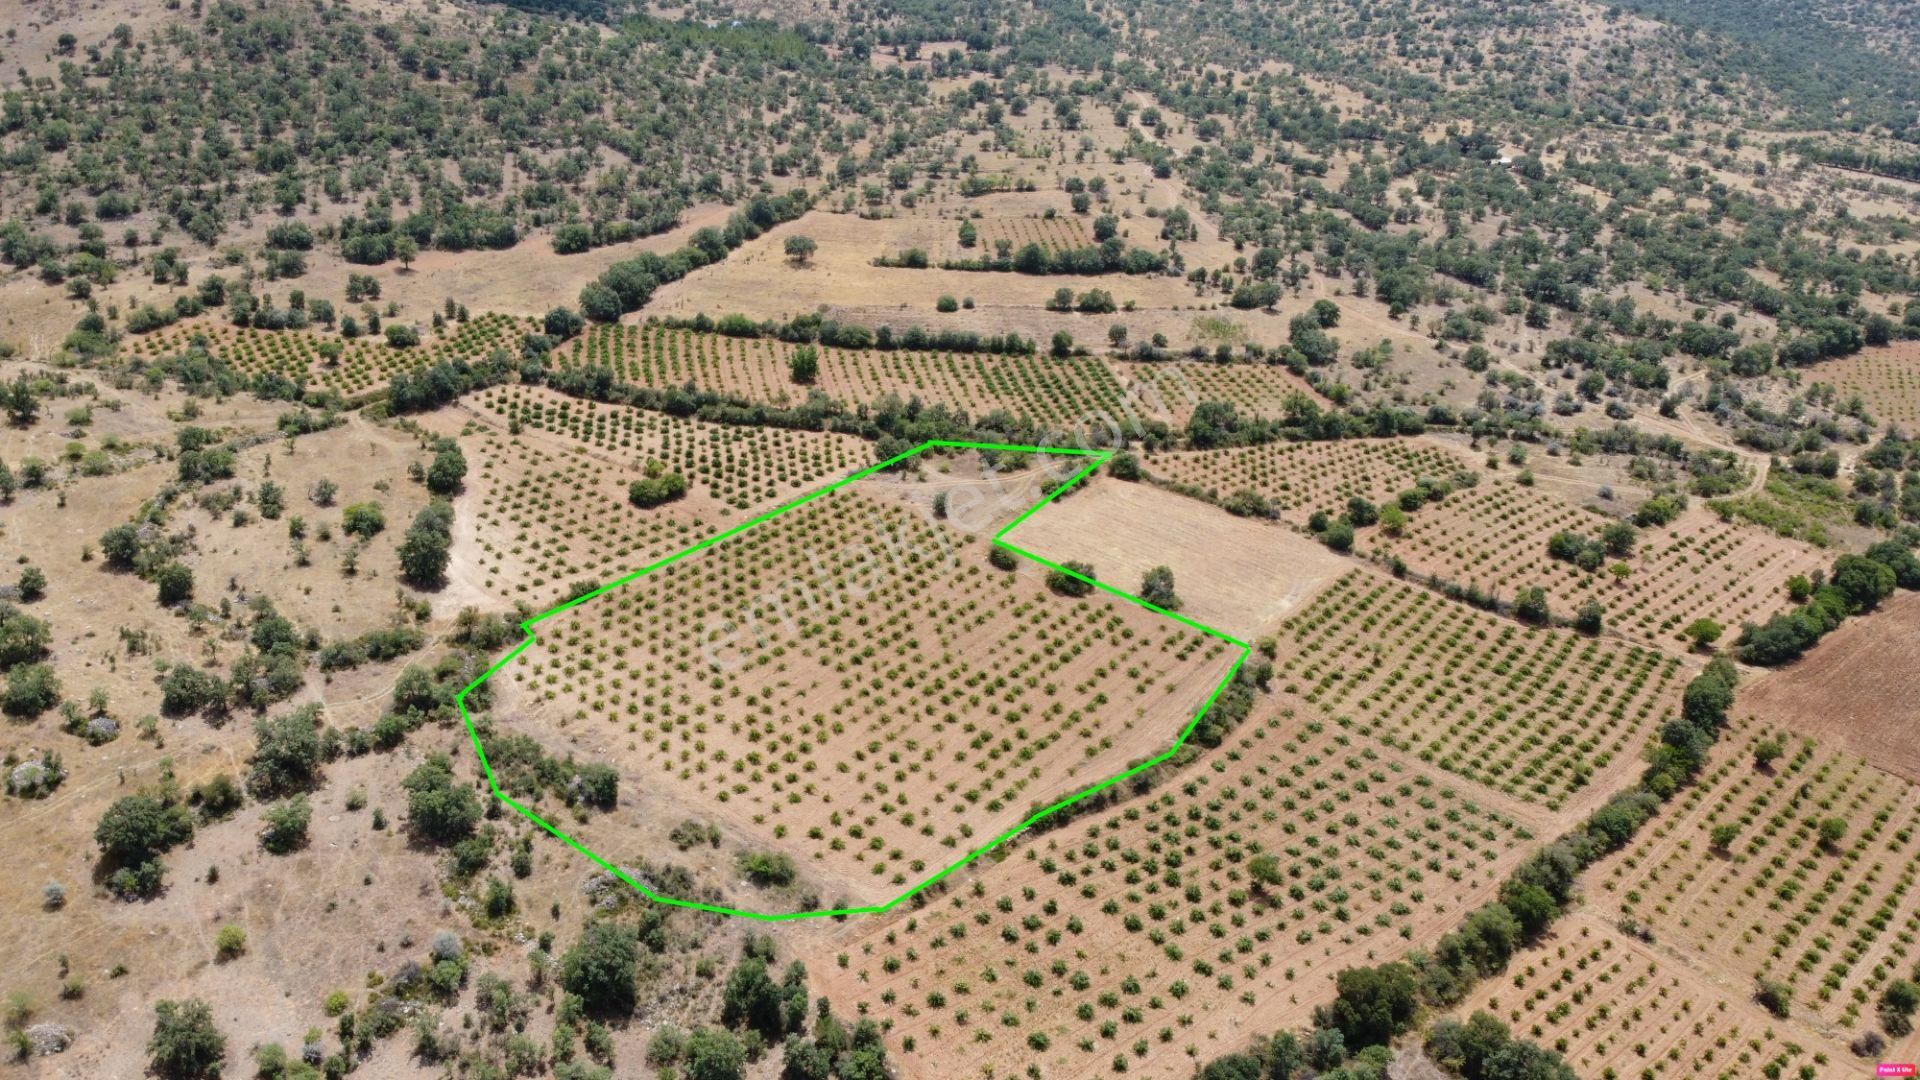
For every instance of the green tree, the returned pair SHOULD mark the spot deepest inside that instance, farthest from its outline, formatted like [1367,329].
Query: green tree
[31,690]
[715,1054]
[21,403]
[1530,606]
[428,546]
[1864,582]
[33,584]
[449,468]
[562,323]
[800,248]
[186,1045]
[1373,1004]
[286,825]
[439,808]
[120,546]
[175,584]
[137,828]
[751,999]
[286,754]
[23,638]
[600,969]
[804,364]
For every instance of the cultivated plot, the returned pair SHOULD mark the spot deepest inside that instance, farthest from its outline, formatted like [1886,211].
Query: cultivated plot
[1620,1007]
[351,366]
[1297,478]
[1497,539]
[1218,900]
[853,696]
[1542,715]
[1789,862]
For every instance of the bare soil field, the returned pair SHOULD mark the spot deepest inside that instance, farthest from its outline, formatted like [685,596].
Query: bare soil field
[1852,692]
[1230,573]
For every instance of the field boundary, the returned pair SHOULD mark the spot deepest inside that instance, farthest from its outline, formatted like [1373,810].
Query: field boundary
[1099,457]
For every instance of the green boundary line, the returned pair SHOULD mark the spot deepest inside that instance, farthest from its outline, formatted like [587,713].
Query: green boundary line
[1099,458]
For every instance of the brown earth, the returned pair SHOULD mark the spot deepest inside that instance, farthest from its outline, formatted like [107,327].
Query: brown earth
[1854,689]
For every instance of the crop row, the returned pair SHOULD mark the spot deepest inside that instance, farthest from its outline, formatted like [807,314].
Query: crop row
[1534,712]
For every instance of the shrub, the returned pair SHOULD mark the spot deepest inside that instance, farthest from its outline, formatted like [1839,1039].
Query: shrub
[1072,579]
[1703,633]
[286,825]
[767,867]
[364,520]
[1591,618]
[656,489]
[229,943]
[804,364]
[1775,996]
